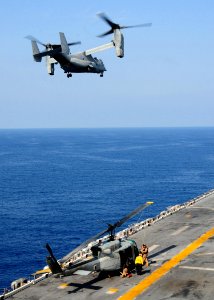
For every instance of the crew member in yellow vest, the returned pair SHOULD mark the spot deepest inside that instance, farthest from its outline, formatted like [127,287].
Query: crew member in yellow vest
[139,263]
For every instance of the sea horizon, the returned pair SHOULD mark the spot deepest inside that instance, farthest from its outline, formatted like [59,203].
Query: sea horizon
[108,127]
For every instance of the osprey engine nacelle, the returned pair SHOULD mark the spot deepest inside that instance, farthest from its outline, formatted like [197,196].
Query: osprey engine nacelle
[50,65]
[118,43]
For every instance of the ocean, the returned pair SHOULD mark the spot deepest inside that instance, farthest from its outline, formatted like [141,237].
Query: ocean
[63,186]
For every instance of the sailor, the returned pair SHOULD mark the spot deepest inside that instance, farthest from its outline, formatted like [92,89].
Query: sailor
[126,272]
[139,263]
[145,251]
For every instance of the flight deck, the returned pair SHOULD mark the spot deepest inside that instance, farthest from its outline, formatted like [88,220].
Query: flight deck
[181,256]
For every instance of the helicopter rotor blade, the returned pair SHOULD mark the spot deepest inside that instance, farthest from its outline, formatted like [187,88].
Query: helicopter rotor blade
[32,38]
[132,214]
[83,245]
[109,229]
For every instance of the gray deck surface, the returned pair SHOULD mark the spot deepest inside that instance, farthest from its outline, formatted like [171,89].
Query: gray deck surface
[167,238]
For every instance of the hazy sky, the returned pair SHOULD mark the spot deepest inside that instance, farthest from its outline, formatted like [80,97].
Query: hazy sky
[165,79]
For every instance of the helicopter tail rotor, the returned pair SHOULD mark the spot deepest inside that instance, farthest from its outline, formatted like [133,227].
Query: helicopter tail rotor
[52,262]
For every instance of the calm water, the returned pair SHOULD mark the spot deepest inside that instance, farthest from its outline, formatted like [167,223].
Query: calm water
[62,186]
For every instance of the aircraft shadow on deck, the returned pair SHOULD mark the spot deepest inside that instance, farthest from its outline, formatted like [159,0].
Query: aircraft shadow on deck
[162,251]
[87,285]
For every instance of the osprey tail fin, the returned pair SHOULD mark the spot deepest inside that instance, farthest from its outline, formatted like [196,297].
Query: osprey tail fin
[36,52]
[64,43]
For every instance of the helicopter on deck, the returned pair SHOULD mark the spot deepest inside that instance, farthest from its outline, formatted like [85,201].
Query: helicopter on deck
[82,62]
[108,256]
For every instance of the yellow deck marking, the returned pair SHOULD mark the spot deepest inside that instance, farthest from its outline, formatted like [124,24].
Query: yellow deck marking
[112,291]
[160,272]
[43,271]
[63,285]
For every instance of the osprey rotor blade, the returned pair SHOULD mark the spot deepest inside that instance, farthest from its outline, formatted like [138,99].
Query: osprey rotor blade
[107,20]
[117,26]
[139,25]
[110,23]
[54,46]
[106,33]
[59,45]
[32,38]
[74,43]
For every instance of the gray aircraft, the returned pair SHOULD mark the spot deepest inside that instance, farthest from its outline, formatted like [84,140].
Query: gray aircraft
[82,62]
[108,256]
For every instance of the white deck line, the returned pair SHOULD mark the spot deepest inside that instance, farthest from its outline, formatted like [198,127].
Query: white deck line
[203,207]
[153,247]
[204,253]
[181,229]
[196,268]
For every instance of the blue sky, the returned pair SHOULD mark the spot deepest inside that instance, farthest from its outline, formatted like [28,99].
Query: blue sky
[165,78]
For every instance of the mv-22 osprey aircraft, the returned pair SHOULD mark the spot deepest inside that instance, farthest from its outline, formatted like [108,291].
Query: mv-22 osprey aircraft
[82,62]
